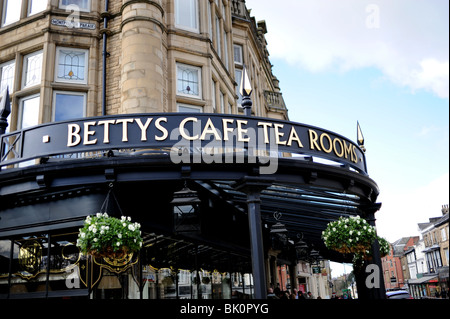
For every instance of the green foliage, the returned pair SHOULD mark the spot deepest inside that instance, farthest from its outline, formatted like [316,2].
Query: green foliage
[102,233]
[349,235]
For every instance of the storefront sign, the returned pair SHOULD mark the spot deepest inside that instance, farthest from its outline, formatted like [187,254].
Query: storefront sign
[204,134]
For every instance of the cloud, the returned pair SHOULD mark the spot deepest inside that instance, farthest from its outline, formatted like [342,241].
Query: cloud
[408,208]
[406,40]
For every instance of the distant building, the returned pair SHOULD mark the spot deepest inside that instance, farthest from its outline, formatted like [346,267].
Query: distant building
[434,278]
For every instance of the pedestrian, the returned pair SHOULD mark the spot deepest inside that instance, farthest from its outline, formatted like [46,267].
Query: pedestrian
[301,295]
[270,294]
[309,295]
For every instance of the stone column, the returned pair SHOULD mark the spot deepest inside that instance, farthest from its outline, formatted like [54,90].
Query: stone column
[142,81]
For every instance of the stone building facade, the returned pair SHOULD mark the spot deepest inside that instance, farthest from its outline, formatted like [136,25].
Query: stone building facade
[161,56]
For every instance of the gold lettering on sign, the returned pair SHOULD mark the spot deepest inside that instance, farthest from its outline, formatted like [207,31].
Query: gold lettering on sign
[293,136]
[73,132]
[227,129]
[265,125]
[124,128]
[106,124]
[210,129]
[88,133]
[183,133]
[143,128]
[242,131]
[326,150]
[313,140]
[279,134]
[161,128]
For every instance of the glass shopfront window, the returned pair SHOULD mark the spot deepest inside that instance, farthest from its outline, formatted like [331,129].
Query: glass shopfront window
[29,265]
[52,266]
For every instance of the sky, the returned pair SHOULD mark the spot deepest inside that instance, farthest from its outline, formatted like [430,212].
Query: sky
[384,64]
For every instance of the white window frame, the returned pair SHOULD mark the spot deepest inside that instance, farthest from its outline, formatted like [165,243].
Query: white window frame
[2,67]
[189,106]
[70,6]
[25,68]
[199,74]
[30,5]
[21,105]
[196,19]
[240,49]
[86,65]
[5,12]
[84,95]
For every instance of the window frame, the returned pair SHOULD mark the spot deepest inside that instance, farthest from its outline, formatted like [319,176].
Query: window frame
[199,80]
[196,10]
[240,54]
[4,13]
[65,92]
[30,2]
[21,110]
[25,68]
[86,65]
[189,106]
[65,7]
[2,66]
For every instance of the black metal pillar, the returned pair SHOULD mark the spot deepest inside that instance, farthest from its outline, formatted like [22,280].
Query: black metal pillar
[5,110]
[253,186]
[379,290]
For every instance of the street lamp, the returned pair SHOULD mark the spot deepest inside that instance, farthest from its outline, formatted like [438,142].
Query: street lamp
[186,211]
[278,233]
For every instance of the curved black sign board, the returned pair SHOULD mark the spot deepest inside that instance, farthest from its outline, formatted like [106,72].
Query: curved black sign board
[210,134]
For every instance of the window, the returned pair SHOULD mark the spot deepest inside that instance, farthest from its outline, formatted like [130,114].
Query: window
[186,15]
[443,234]
[238,60]
[71,65]
[68,105]
[218,40]
[188,80]
[36,6]
[11,11]
[83,5]
[29,111]
[184,108]
[213,96]
[7,76]
[32,69]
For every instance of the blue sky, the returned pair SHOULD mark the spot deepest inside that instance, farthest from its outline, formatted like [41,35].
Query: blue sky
[385,64]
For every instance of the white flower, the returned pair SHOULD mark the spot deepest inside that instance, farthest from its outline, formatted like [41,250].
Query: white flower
[99,215]
[105,215]
[350,232]
[123,218]
[334,228]
[131,227]
[129,218]
[118,243]
[119,235]
[95,239]
[350,240]
[124,225]
[83,235]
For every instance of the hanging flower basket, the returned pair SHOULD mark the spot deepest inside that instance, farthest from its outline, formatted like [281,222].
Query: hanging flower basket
[105,236]
[352,235]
